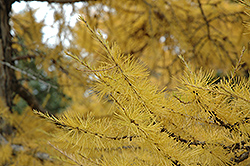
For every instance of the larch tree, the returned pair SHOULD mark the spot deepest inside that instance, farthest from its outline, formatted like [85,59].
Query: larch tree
[143,58]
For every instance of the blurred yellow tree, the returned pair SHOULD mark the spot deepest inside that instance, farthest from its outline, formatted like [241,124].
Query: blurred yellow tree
[131,83]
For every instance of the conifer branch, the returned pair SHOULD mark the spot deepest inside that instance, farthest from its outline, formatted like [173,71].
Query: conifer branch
[194,141]
[233,95]
[91,161]
[163,133]
[107,49]
[243,3]
[132,121]
[65,154]
[183,60]
[116,101]
[229,94]
[175,162]
[220,124]
[174,136]
[85,64]
[128,83]
[99,38]
[218,120]
[160,150]
[135,91]
[213,114]
[237,67]
[68,127]
[191,117]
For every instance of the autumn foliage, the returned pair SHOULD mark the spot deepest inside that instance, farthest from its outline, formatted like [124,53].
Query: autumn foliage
[141,83]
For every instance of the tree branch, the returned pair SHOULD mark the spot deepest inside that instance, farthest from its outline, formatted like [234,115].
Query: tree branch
[23,57]
[205,19]
[28,74]
[23,92]
[28,97]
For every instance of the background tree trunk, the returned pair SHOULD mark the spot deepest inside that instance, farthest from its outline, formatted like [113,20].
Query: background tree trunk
[6,74]
[8,82]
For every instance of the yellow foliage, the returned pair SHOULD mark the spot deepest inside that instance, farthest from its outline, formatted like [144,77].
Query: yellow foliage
[26,26]
[28,143]
[5,153]
[146,97]
[198,124]
[208,34]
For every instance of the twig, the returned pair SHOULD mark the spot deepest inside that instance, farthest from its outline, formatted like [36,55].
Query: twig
[149,15]
[28,74]
[220,93]
[23,57]
[237,67]
[96,70]
[183,102]
[188,67]
[205,19]
[64,153]
[88,159]
[243,3]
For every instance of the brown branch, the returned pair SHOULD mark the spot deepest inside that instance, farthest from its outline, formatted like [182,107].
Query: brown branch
[215,18]
[23,57]
[243,3]
[28,97]
[183,102]
[60,67]
[205,19]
